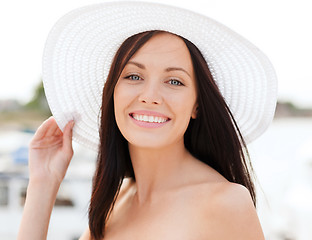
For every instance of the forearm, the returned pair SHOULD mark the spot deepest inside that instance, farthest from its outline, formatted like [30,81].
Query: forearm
[50,152]
[39,203]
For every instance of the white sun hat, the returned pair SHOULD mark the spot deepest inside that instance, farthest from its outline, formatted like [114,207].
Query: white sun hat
[81,46]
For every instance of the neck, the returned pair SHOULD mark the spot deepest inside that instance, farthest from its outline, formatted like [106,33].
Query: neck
[157,170]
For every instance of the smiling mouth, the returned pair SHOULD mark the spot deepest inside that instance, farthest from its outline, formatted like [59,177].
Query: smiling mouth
[149,118]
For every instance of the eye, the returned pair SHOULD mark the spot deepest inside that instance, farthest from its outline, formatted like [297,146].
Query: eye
[133,77]
[175,82]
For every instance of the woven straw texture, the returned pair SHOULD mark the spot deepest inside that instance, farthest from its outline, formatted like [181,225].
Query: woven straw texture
[80,48]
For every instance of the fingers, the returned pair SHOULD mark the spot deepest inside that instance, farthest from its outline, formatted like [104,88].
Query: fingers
[50,128]
[53,128]
[44,127]
[67,136]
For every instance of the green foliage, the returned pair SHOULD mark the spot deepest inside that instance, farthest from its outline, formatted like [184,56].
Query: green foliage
[39,102]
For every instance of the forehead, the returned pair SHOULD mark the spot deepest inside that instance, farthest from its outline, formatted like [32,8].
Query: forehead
[162,42]
[165,48]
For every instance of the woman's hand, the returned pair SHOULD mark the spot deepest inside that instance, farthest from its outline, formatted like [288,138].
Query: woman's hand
[50,152]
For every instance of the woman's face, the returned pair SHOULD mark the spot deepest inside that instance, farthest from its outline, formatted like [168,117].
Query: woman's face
[155,96]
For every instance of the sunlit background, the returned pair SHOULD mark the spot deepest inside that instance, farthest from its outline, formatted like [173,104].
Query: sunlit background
[282,157]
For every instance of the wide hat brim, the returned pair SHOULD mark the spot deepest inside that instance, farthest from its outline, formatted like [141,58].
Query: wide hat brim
[80,48]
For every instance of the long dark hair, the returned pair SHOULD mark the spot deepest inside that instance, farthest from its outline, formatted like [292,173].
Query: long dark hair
[213,137]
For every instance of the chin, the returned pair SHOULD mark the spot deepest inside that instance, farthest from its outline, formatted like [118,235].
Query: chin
[144,144]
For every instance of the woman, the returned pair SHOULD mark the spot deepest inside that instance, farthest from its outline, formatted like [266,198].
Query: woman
[171,158]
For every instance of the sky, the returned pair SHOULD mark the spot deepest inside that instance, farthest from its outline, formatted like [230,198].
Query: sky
[282,29]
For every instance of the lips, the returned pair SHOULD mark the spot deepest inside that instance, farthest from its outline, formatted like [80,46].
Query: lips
[148,118]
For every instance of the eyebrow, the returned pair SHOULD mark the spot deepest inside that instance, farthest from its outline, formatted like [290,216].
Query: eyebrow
[139,65]
[169,69]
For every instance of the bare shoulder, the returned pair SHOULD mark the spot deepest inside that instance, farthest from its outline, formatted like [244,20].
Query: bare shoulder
[230,207]
[233,196]
[126,188]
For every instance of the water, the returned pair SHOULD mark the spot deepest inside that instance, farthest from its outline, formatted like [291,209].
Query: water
[282,159]
[69,218]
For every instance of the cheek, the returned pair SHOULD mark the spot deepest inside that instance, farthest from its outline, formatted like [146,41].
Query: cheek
[183,105]
[123,96]
[124,93]
[120,97]
[118,101]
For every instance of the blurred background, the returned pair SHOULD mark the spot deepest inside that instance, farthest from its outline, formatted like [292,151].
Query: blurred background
[282,156]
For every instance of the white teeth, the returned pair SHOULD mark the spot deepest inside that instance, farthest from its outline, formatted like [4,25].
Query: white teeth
[151,119]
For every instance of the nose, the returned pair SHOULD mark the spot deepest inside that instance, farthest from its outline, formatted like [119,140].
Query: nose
[150,94]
